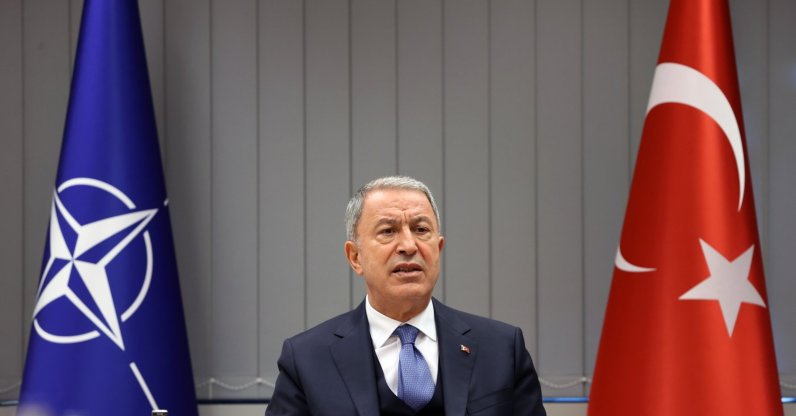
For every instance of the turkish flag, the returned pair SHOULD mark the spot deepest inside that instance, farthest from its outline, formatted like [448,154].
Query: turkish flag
[687,328]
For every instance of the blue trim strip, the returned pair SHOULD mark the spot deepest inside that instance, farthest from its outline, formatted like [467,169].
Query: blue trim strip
[566,399]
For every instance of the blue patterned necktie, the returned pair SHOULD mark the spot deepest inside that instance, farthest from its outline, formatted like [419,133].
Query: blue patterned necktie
[415,385]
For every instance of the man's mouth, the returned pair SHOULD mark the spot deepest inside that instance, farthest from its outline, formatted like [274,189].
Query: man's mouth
[407,269]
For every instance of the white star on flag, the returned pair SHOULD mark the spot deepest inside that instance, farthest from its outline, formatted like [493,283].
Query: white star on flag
[93,275]
[728,284]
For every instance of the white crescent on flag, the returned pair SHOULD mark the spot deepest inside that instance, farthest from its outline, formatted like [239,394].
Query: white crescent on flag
[678,83]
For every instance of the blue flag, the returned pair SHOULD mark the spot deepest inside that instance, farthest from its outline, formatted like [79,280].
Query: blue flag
[108,335]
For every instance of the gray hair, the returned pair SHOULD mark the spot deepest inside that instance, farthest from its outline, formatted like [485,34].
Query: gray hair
[354,209]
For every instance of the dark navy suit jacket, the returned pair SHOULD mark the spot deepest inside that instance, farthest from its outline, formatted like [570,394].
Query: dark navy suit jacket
[329,369]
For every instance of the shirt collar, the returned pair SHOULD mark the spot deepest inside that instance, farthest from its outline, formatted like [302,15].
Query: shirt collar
[382,326]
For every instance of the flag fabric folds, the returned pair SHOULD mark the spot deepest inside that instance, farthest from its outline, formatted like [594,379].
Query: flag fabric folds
[687,328]
[108,334]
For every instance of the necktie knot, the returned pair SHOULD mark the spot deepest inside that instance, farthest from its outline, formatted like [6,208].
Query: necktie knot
[407,334]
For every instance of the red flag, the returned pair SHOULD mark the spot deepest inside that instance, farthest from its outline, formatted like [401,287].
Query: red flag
[687,328]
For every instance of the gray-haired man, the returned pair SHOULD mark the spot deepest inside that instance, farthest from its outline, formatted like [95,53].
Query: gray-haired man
[400,352]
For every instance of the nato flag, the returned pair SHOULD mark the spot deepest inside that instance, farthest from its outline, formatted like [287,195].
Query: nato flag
[108,334]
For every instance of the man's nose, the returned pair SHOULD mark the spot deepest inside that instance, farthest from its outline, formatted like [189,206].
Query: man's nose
[406,242]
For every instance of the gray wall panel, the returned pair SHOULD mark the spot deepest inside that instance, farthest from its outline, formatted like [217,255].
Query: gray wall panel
[373,90]
[560,190]
[781,284]
[281,181]
[152,19]
[234,189]
[647,19]
[11,187]
[419,96]
[606,157]
[75,13]
[749,21]
[466,54]
[328,156]
[513,162]
[188,167]
[373,99]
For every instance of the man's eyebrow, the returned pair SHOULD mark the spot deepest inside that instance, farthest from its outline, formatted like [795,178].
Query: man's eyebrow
[420,218]
[386,220]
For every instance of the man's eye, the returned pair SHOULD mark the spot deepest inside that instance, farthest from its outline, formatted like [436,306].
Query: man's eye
[422,230]
[386,231]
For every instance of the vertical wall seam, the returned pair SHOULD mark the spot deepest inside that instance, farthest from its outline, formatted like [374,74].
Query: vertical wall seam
[211,190]
[165,157]
[350,136]
[766,131]
[536,172]
[629,46]
[22,177]
[582,194]
[258,217]
[489,138]
[396,86]
[69,34]
[304,147]
[443,131]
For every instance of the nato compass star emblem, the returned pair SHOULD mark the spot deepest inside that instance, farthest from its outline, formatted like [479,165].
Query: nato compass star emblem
[78,273]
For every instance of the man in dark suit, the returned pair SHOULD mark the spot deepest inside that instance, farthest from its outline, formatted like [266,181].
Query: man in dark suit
[400,352]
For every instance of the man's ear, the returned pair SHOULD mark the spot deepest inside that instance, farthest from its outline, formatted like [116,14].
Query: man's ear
[441,243]
[352,255]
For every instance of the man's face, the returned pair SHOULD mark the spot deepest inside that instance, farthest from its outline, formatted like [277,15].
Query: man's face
[397,250]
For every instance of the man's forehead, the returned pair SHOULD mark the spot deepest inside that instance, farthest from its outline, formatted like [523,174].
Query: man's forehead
[398,216]
[397,202]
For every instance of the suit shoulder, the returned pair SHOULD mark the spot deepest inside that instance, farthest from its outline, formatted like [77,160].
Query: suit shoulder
[477,322]
[326,331]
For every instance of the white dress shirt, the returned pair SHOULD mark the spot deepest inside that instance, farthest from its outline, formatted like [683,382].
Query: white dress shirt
[388,346]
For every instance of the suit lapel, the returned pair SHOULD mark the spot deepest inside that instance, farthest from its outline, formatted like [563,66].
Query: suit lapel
[353,356]
[456,366]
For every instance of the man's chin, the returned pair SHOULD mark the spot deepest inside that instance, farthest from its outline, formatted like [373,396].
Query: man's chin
[413,291]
